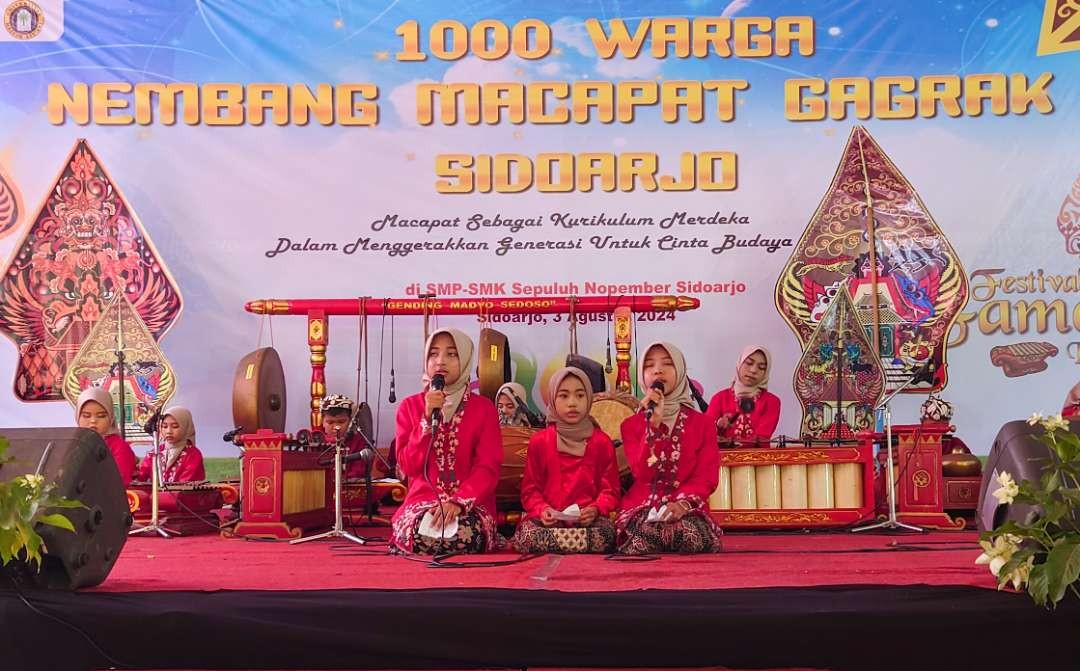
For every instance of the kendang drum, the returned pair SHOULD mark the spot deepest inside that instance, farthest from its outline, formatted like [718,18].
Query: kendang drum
[515,442]
[609,410]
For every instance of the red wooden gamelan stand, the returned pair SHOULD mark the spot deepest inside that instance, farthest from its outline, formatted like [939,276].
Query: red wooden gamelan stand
[285,491]
[922,491]
[318,311]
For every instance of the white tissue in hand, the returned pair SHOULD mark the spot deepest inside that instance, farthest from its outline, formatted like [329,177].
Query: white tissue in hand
[571,514]
[656,515]
[430,527]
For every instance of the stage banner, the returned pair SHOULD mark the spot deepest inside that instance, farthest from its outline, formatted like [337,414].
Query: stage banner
[892,188]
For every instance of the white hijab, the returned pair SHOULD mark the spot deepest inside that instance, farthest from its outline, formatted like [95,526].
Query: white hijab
[456,390]
[741,390]
[679,393]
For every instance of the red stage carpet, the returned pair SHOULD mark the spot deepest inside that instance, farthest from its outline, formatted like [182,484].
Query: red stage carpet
[209,563]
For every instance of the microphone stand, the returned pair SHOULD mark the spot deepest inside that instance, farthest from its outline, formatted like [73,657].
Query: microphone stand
[338,530]
[120,369]
[891,522]
[369,494]
[155,525]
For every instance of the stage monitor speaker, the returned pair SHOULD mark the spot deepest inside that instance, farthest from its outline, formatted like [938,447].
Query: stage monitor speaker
[1018,450]
[78,462]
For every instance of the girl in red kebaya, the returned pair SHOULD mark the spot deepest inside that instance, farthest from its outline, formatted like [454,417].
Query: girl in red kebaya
[178,458]
[452,467]
[671,448]
[745,411]
[94,410]
[571,479]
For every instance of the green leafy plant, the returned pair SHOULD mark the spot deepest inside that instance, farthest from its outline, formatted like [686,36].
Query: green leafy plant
[1041,555]
[25,502]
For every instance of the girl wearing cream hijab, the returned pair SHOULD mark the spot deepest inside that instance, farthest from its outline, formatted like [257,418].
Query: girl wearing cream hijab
[94,410]
[746,412]
[671,449]
[178,458]
[571,482]
[508,401]
[450,450]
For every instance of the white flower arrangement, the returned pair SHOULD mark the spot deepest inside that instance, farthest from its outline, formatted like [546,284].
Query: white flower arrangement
[1043,556]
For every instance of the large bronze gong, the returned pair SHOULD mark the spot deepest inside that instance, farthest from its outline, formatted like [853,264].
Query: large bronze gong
[492,362]
[258,400]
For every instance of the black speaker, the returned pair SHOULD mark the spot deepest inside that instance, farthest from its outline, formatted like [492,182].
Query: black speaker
[1018,450]
[78,462]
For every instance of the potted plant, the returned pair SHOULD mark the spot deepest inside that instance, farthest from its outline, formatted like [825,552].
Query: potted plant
[1042,553]
[25,502]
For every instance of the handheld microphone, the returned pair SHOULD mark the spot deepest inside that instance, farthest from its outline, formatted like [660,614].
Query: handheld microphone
[437,383]
[651,407]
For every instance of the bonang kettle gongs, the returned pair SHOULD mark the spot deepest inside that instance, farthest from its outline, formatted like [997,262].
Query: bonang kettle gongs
[258,400]
[492,362]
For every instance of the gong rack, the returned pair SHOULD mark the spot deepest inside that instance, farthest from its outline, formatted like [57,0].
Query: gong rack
[319,311]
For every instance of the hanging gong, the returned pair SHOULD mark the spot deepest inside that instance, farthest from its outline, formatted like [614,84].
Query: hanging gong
[258,400]
[593,369]
[492,362]
[365,423]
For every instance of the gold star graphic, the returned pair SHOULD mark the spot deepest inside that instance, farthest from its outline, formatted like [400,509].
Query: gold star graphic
[338,24]
[556,51]
[410,156]
[518,135]
[382,55]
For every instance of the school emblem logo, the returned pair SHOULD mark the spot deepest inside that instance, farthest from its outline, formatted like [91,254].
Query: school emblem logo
[24,20]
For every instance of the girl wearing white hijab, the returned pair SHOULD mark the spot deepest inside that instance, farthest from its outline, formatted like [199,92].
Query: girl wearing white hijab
[746,411]
[178,458]
[450,450]
[671,449]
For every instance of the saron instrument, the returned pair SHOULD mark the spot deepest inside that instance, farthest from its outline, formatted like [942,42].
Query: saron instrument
[809,485]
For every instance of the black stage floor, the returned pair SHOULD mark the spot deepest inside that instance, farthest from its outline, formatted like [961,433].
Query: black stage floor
[835,627]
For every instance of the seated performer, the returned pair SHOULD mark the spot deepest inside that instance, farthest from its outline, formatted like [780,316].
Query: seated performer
[1072,402]
[94,410]
[674,461]
[178,458]
[511,412]
[570,463]
[452,467]
[336,414]
[745,411]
